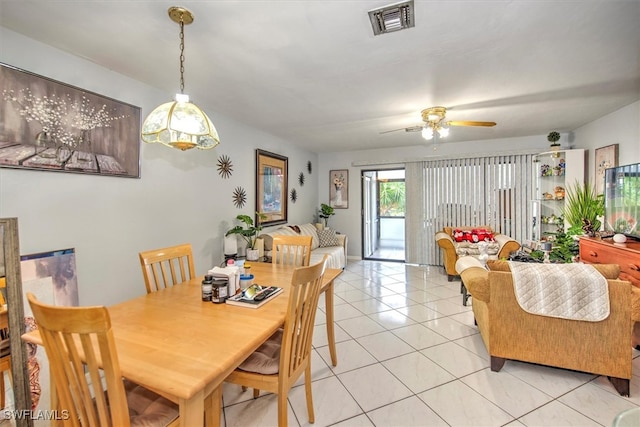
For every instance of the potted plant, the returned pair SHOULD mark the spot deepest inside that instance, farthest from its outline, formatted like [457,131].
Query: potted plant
[325,212]
[249,232]
[583,209]
[553,138]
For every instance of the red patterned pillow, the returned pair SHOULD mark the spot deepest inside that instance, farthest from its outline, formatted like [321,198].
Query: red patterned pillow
[482,235]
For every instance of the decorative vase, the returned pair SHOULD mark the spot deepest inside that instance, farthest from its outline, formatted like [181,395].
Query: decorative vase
[555,147]
[45,140]
[253,254]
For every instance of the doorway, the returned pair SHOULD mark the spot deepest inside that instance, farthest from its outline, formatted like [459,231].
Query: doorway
[383,207]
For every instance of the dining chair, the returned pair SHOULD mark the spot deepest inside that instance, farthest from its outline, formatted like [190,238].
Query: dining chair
[278,363]
[5,353]
[291,250]
[160,267]
[84,367]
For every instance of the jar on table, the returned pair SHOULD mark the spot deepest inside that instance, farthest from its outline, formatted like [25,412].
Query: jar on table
[219,292]
[207,288]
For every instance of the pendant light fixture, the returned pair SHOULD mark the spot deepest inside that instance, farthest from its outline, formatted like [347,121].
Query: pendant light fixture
[180,124]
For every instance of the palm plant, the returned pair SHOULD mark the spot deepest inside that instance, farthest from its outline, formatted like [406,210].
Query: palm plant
[583,208]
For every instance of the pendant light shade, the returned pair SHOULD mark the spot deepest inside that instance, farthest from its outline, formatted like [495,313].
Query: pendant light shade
[180,124]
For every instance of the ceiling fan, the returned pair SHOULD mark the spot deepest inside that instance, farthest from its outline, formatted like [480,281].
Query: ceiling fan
[434,119]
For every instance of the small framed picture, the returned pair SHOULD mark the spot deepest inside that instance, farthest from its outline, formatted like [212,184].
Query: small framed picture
[339,188]
[606,157]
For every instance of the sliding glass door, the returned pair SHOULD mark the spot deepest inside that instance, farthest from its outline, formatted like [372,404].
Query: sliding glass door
[383,209]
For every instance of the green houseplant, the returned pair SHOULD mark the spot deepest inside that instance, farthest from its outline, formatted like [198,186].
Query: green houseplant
[553,138]
[583,209]
[325,212]
[248,231]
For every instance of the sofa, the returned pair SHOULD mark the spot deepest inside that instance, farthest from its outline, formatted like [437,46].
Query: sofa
[501,246]
[323,242]
[510,333]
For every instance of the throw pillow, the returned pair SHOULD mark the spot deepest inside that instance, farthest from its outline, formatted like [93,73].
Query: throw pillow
[328,237]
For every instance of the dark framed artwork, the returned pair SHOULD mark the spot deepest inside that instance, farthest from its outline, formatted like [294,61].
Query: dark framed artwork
[271,187]
[49,125]
[606,157]
[339,188]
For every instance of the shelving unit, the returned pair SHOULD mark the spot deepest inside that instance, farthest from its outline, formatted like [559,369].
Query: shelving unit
[554,172]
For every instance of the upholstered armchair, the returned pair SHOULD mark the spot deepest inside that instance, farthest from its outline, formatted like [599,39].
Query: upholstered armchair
[602,347]
[452,250]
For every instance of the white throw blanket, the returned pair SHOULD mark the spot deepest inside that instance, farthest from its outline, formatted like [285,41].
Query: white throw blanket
[570,291]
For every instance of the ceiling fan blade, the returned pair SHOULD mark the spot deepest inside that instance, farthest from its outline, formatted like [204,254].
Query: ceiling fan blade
[470,123]
[409,129]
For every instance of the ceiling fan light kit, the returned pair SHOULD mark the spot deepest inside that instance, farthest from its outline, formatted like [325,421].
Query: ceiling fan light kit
[180,124]
[434,119]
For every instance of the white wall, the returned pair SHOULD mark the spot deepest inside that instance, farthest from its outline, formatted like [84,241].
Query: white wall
[179,198]
[622,127]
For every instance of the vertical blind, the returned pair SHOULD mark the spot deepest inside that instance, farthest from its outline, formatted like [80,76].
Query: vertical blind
[494,191]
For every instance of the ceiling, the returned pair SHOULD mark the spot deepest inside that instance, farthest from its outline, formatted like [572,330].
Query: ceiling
[313,73]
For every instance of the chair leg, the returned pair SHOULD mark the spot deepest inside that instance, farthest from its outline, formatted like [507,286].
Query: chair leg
[497,363]
[465,294]
[621,385]
[282,409]
[2,397]
[256,393]
[307,390]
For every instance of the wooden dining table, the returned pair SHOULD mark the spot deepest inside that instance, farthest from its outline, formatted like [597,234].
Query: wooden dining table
[173,343]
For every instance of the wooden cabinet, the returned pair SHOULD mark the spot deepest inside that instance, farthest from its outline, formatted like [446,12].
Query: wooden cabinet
[604,251]
[554,171]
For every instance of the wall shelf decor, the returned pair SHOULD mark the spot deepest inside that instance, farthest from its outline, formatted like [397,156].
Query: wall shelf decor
[271,187]
[52,126]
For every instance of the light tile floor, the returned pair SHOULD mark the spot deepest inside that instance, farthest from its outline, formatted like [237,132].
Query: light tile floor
[410,355]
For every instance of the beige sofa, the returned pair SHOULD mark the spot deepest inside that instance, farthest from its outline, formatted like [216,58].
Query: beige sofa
[510,333]
[452,250]
[322,242]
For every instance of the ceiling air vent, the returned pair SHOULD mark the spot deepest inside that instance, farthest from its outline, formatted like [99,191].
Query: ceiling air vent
[391,18]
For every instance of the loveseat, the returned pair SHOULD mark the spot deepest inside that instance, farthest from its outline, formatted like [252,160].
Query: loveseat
[509,332]
[498,247]
[323,242]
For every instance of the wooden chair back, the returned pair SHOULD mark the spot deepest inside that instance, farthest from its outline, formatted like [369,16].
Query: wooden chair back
[75,339]
[295,349]
[295,353]
[166,267]
[291,250]
[5,353]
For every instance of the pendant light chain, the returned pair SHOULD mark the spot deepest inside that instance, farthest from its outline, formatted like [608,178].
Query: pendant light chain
[180,124]
[181,55]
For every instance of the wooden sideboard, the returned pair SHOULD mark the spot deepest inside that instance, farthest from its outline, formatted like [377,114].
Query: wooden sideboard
[626,255]
[604,251]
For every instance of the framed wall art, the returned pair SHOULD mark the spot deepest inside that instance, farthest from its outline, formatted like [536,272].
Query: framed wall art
[49,125]
[339,188]
[606,157]
[271,187]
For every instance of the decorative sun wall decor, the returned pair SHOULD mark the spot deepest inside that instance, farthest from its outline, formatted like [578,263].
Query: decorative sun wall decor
[239,197]
[309,166]
[225,167]
[294,195]
[301,179]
